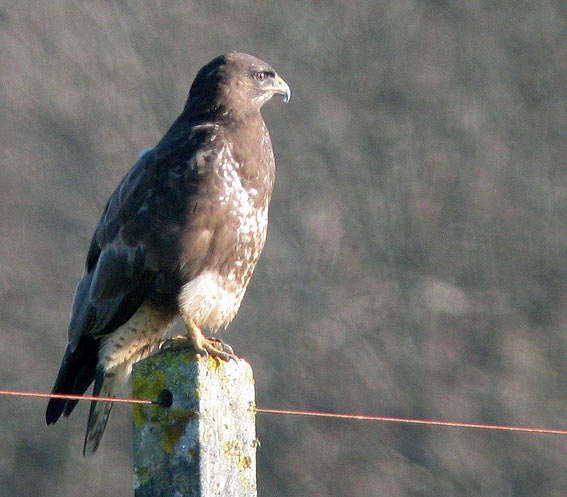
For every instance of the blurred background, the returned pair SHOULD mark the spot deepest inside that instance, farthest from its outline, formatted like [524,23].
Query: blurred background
[416,263]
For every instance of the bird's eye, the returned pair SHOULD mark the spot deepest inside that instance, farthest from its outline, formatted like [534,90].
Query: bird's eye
[261,76]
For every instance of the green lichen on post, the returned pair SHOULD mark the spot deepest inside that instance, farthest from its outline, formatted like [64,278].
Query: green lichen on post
[141,477]
[204,444]
[214,363]
[235,450]
[173,425]
[147,384]
[150,380]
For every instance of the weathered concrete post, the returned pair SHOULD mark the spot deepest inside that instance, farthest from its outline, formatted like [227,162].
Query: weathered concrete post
[204,445]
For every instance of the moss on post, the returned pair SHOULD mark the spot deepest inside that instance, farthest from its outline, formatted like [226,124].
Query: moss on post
[204,445]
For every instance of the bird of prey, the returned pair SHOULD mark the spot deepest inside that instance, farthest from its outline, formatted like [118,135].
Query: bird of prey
[180,236]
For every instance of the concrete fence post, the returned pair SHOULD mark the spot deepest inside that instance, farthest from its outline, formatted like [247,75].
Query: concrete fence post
[204,444]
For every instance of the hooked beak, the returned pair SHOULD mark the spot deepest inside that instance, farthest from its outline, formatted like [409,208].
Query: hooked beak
[280,87]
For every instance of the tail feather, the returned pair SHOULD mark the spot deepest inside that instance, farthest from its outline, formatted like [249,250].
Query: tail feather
[98,415]
[77,372]
[81,383]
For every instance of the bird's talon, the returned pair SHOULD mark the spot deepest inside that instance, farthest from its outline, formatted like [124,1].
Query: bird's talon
[221,350]
[213,347]
[176,342]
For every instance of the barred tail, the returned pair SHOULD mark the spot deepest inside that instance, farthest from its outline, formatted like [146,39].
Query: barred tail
[105,387]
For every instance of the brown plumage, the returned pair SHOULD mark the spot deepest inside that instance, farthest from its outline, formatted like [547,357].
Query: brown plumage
[180,236]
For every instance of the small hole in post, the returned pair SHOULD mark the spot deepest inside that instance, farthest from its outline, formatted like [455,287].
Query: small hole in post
[164,399]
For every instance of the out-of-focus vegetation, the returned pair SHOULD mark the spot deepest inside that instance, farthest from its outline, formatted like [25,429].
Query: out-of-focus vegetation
[417,259]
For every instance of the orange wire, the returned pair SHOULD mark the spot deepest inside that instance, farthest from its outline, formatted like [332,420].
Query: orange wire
[428,422]
[16,393]
[262,410]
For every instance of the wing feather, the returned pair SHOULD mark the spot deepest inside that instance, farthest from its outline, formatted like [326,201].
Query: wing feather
[117,275]
[137,240]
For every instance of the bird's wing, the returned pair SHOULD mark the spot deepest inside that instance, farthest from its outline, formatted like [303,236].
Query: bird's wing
[117,273]
[131,253]
[137,237]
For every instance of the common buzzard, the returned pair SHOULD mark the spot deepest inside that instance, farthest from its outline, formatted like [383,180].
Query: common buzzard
[180,236]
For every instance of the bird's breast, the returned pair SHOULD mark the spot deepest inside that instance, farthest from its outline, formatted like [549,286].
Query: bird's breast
[233,226]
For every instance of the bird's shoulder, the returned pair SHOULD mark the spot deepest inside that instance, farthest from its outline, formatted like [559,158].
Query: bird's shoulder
[155,191]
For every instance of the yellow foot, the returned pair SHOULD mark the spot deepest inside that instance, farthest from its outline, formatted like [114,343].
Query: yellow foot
[202,345]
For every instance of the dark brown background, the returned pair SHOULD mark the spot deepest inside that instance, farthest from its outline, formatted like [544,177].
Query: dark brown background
[417,258]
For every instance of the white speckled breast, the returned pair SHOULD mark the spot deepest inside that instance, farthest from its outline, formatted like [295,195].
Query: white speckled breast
[212,299]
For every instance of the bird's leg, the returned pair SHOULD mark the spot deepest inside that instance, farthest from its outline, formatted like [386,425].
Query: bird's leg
[207,346]
[200,343]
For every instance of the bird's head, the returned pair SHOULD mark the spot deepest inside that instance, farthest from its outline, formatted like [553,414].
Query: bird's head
[235,82]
